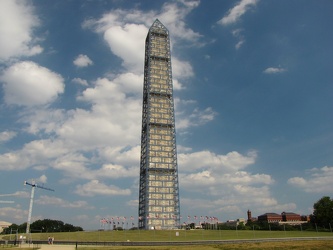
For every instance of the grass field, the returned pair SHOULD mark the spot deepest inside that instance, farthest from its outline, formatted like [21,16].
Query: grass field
[190,235]
[172,235]
[298,245]
[295,245]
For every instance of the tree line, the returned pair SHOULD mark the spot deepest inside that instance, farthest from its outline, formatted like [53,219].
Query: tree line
[39,226]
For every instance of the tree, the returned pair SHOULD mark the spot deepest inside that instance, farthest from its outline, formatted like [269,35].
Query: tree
[46,225]
[323,212]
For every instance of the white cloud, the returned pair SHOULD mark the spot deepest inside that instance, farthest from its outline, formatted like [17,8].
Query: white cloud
[273,70]
[172,16]
[42,179]
[41,120]
[181,69]
[239,44]
[28,84]
[125,32]
[225,177]
[122,156]
[21,194]
[130,83]
[33,154]
[124,42]
[318,181]
[231,162]
[95,187]
[13,161]
[59,202]
[13,212]
[237,11]
[80,81]
[82,61]
[211,171]
[197,117]
[111,122]
[7,135]
[17,23]
[237,33]
[232,203]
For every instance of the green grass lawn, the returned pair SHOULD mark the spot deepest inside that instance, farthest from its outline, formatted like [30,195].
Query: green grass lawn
[171,235]
[190,235]
[298,245]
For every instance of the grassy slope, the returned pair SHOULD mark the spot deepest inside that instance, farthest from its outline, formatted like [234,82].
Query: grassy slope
[193,235]
[160,235]
[295,245]
[299,245]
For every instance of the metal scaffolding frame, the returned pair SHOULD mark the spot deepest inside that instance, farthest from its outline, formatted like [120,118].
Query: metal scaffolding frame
[159,206]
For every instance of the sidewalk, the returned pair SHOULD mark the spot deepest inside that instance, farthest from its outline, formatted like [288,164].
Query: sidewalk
[56,247]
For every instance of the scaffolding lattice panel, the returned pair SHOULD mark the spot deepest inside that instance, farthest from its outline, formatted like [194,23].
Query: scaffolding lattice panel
[159,206]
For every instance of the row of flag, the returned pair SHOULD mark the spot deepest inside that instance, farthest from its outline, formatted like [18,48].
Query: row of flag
[117,219]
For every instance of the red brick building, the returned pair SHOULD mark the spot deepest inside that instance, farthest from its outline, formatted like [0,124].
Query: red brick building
[283,218]
[286,216]
[270,217]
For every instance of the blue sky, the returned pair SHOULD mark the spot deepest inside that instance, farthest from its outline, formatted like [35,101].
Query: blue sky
[253,89]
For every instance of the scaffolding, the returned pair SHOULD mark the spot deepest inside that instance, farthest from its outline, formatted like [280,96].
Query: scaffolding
[159,206]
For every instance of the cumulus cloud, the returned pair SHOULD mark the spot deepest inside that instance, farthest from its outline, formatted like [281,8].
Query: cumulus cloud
[232,161]
[7,135]
[112,121]
[15,213]
[29,84]
[319,180]
[235,13]
[181,69]
[17,23]
[197,117]
[124,42]
[33,154]
[59,202]
[80,81]
[273,70]
[82,61]
[172,16]
[226,177]
[95,187]
[125,31]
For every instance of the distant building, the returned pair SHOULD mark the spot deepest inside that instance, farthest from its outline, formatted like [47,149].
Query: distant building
[287,216]
[270,218]
[283,218]
[3,225]
[235,222]
[305,218]
[249,216]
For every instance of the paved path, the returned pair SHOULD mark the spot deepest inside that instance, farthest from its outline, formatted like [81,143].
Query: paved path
[56,247]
